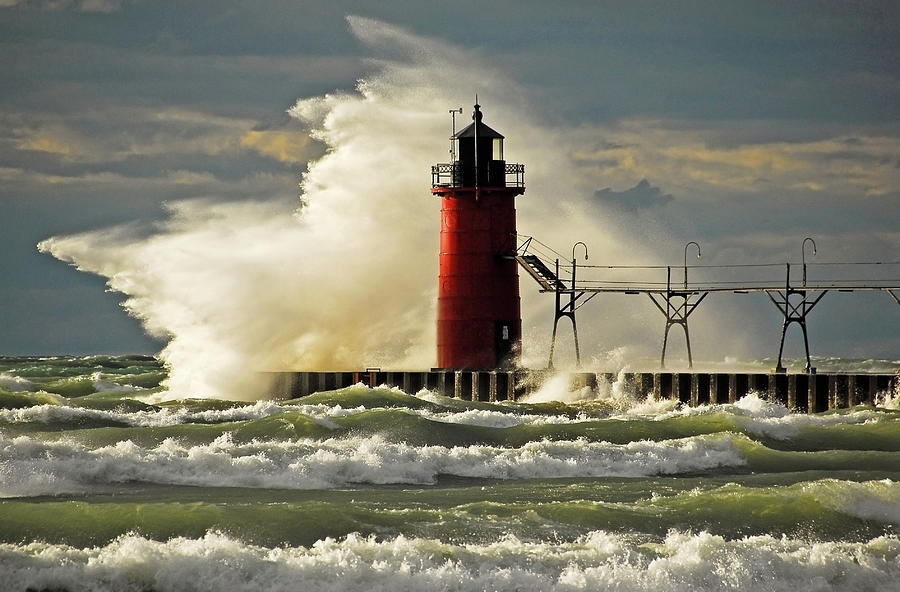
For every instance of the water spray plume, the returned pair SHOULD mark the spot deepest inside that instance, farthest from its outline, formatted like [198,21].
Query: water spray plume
[347,280]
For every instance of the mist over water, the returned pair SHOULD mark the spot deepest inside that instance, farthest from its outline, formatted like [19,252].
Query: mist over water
[348,278]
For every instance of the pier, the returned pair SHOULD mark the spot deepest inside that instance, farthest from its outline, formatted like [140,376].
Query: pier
[804,393]
[479,322]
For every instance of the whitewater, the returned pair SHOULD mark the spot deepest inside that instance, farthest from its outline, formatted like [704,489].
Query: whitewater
[108,483]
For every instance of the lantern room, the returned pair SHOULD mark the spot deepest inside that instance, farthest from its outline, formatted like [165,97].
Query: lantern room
[479,151]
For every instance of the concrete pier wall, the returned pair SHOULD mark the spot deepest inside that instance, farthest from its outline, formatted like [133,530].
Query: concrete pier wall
[807,393]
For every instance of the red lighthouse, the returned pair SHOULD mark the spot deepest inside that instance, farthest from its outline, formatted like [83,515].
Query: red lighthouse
[479,322]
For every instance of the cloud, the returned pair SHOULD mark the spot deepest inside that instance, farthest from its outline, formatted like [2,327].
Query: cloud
[707,162]
[134,140]
[104,6]
[115,134]
[286,146]
[47,141]
[59,139]
[762,159]
[639,197]
[100,5]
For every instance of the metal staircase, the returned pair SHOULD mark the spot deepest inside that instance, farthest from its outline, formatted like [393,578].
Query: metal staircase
[542,274]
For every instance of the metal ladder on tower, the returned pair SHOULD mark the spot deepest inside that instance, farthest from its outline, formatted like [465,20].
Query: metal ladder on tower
[542,274]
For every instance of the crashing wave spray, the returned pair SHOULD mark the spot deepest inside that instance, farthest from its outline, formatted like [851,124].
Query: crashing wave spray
[349,279]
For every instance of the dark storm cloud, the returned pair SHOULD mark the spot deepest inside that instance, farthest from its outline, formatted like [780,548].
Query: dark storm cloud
[54,169]
[711,60]
[105,6]
[640,197]
[67,76]
[718,60]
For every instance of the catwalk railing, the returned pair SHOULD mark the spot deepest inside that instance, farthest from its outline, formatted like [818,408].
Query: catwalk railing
[677,297]
[496,172]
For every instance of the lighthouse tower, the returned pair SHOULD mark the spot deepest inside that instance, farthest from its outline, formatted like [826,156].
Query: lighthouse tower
[479,324]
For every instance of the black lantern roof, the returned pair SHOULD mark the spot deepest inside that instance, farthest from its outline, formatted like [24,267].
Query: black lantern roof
[483,130]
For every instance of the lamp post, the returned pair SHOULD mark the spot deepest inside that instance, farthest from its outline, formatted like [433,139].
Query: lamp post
[803,255]
[685,259]
[572,298]
[575,246]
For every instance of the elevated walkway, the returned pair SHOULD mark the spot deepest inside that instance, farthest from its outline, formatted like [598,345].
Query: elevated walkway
[677,300]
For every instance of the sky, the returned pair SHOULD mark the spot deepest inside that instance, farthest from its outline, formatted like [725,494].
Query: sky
[133,131]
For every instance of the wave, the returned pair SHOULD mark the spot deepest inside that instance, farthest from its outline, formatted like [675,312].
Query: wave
[231,455]
[145,416]
[874,500]
[827,508]
[77,377]
[431,420]
[13,383]
[34,467]
[682,561]
[24,399]
[472,511]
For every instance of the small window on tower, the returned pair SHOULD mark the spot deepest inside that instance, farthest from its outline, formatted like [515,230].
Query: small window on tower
[498,148]
[505,332]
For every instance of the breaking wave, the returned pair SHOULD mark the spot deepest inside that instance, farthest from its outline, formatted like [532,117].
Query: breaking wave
[682,561]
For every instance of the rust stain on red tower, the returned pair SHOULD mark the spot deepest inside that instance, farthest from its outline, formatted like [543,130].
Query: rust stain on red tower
[479,322]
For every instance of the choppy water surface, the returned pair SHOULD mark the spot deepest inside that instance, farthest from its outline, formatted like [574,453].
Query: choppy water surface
[105,485]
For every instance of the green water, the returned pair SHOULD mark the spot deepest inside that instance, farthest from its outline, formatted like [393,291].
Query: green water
[97,467]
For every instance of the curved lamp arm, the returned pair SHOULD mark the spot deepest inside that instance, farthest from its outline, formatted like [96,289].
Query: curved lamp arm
[803,255]
[685,258]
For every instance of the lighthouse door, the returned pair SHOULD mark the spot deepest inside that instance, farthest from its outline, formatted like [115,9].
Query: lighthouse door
[504,343]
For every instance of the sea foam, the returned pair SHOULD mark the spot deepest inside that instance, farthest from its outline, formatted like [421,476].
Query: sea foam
[34,467]
[871,500]
[14,383]
[169,416]
[682,561]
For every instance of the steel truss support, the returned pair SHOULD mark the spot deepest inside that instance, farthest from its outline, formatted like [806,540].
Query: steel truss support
[794,312]
[567,310]
[894,296]
[678,307]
